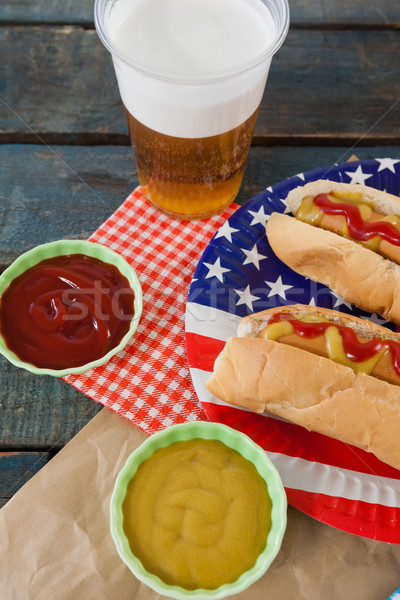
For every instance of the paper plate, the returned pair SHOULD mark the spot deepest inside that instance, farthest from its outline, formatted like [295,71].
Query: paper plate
[239,274]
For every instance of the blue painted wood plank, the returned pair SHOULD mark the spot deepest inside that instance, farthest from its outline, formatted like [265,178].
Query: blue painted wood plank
[64,89]
[49,193]
[16,468]
[55,192]
[47,11]
[323,13]
[39,412]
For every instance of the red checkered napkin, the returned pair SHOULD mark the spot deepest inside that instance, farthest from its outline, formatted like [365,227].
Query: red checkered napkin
[149,381]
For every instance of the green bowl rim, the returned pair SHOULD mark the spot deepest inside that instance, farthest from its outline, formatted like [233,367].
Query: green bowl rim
[250,450]
[59,248]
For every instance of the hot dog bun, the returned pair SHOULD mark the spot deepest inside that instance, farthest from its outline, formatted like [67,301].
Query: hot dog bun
[358,274]
[310,390]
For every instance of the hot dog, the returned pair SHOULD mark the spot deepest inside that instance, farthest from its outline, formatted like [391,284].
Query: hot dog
[346,237]
[324,370]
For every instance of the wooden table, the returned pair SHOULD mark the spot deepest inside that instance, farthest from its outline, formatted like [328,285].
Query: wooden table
[66,163]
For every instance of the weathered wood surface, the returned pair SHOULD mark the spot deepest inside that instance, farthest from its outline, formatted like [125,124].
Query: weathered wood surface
[59,192]
[39,413]
[54,192]
[323,13]
[16,468]
[342,13]
[47,11]
[64,90]
[65,192]
[332,85]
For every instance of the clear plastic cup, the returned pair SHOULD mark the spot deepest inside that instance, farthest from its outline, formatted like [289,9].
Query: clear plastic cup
[191,128]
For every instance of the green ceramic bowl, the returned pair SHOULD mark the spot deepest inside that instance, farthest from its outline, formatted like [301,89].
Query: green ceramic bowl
[249,450]
[59,248]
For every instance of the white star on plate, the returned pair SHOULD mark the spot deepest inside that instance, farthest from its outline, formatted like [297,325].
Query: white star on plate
[246,297]
[278,288]
[340,301]
[358,176]
[312,302]
[216,270]
[259,217]
[253,257]
[377,319]
[284,204]
[387,163]
[226,231]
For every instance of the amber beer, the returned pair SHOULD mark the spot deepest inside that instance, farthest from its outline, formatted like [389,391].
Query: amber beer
[190,176]
[191,75]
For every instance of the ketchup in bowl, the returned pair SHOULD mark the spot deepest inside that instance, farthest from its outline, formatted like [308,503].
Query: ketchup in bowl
[66,311]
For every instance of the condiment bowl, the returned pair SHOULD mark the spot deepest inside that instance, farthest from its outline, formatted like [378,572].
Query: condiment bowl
[61,248]
[249,450]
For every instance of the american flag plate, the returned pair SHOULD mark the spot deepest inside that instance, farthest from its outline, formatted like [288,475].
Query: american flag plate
[238,274]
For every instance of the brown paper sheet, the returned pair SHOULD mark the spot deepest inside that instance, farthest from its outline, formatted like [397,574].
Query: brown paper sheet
[55,542]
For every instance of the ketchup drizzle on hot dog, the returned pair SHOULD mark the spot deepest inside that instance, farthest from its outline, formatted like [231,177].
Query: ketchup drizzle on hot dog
[359,229]
[354,349]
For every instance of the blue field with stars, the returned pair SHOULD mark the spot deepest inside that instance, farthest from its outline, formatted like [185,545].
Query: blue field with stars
[238,272]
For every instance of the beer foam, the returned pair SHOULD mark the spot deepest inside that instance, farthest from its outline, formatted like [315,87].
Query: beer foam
[186,44]
[192,36]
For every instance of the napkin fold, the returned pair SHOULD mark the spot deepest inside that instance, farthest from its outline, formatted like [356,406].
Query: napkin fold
[149,381]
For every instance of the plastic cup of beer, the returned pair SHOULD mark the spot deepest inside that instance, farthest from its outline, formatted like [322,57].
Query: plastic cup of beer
[191,75]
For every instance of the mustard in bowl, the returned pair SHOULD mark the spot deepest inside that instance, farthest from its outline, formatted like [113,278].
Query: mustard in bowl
[198,511]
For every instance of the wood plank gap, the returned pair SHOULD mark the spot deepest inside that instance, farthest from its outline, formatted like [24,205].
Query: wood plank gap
[99,139]
[345,26]
[86,25]
[324,141]
[66,139]
[325,26]
[26,449]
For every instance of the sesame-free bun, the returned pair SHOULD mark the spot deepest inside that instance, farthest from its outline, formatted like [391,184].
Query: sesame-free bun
[310,390]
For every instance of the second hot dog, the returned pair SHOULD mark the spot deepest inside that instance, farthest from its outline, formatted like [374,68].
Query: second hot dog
[326,371]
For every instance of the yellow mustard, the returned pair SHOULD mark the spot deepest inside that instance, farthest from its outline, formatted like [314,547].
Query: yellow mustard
[277,330]
[309,213]
[333,340]
[284,327]
[334,344]
[350,197]
[197,514]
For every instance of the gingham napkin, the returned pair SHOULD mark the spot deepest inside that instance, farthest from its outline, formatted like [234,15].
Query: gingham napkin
[149,381]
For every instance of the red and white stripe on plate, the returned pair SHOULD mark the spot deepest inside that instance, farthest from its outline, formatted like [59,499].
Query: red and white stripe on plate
[333,482]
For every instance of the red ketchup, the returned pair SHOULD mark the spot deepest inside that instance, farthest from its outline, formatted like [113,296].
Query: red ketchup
[359,229]
[354,349]
[66,311]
